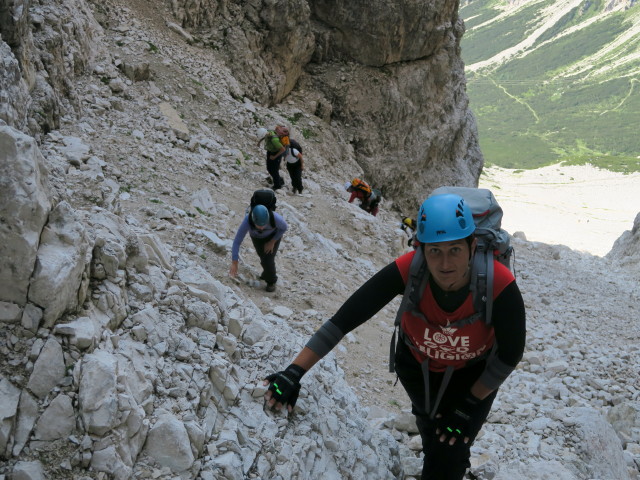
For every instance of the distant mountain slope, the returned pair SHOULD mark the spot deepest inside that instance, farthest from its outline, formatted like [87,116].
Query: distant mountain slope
[555,81]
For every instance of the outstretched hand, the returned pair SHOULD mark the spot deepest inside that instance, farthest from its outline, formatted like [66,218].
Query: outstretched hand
[233,270]
[284,387]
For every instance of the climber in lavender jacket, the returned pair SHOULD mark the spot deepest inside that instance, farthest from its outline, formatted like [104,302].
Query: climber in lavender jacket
[266,229]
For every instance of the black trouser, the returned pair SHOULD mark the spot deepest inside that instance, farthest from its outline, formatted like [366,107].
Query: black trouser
[273,167]
[267,260]
[295,172]
[441,460]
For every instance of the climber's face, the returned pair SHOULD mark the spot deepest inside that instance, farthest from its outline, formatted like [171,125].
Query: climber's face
[449,263]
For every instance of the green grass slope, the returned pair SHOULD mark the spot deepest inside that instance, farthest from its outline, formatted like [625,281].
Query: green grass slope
[570,93]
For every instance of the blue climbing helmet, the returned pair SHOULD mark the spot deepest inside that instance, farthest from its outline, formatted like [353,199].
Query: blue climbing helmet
[443,218]
[260,216]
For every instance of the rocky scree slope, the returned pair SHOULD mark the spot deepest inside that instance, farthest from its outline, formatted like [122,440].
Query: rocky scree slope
[399,94]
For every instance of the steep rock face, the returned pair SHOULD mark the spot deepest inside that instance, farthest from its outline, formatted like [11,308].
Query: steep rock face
[266,43]
[13,90]
[378,33]
[409,124]
[388,75]
[53,42]
[408,114]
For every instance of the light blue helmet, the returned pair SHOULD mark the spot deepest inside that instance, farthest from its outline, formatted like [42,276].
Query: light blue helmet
[260,215]
[443,218]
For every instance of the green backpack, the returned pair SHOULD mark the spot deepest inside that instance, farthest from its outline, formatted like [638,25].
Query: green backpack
[272,142]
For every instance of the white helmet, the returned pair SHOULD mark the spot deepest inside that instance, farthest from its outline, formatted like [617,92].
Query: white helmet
[347,185]
[262,132]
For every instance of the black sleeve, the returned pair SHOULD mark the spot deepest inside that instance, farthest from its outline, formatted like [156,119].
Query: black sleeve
[379,290]
[359,307]
[509,324]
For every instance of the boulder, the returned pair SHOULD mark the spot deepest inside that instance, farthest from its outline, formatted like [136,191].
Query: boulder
[535,471]
[9,400]
[48,369]
[83,332]
[28,471]
[168,443]
[598,447]
[24,207]
[61,263]
[97,392]
[57,421]
[625,420]
[27,416]
[626,249]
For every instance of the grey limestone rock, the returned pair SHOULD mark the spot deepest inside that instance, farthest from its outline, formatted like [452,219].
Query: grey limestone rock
[28,414]
[107,460]
[48,369]
[57,421]
[626,249]
[28,471]
[14,92]
[9,400]
[61,263]
[10,312]
[24,207]
[97,392]
[168,443]
[625,419]
[31,317]
[83,332]
[536,471]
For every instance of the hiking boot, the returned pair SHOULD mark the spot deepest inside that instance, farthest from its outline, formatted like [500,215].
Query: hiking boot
[271,287]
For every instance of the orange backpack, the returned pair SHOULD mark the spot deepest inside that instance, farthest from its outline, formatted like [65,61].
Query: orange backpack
[361,185]
[283,134]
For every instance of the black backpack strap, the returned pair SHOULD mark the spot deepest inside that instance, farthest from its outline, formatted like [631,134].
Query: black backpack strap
[416,283]
[443,387]
[424,366]
[482,262]
[392,352]
[293,143]
[489,294]
[249,211]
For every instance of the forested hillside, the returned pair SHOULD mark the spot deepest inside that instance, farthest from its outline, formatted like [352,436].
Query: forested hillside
[554,81]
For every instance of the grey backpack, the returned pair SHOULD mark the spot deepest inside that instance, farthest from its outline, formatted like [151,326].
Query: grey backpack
[493,242]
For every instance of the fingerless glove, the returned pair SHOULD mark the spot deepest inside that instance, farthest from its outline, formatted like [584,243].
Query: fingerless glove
[457,423]
[285,385]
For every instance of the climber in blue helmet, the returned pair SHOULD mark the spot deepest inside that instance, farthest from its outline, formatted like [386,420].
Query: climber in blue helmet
[266,228]
[449,358]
